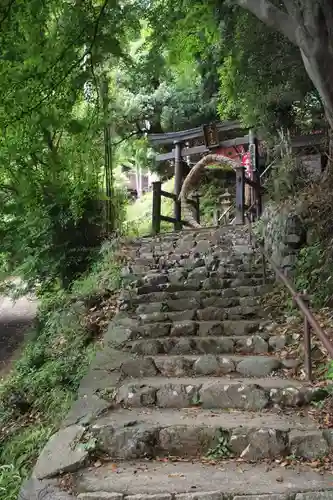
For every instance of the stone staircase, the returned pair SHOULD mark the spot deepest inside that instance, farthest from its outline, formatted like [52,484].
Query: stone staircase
[188,398]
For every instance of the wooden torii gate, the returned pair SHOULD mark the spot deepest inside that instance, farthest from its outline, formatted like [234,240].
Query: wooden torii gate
[211,139]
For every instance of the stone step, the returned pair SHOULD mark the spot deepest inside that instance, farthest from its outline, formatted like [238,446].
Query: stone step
[172,266]
[132,298]
[198,249]
[232,480]
[196,285]
[210,364]
[252,344]
[156,313]
[170,261]
[174,305]
[203,329]
[133,434]
[165,283]
[145,389]
[200,245]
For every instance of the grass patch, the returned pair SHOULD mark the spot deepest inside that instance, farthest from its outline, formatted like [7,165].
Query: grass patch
[139,213]
[44,382]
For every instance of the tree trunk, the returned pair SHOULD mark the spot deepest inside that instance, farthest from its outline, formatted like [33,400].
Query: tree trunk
[319,67]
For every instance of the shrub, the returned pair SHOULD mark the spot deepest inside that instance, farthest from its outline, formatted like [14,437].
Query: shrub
[314,273]
[288,177]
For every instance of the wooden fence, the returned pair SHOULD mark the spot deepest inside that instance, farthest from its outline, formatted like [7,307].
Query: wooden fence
[158,217]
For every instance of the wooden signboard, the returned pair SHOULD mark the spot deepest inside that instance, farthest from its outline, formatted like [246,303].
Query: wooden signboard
[211,136]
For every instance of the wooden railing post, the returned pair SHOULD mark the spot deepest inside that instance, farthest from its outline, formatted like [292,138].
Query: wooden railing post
[156,215]
[240,194]
[178,186]
[307,340]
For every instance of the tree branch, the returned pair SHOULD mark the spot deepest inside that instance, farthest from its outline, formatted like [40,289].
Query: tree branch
[272,16]
[59,139]
[95,79]
[11,189]
[38,160]
[132,134]
[48,139]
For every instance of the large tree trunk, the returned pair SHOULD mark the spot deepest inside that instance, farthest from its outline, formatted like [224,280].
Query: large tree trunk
[319,67]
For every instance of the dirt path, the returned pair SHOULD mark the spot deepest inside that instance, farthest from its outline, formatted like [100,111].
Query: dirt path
[15,319]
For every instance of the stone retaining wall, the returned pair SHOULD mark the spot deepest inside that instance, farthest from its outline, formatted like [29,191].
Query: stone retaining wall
[283,234]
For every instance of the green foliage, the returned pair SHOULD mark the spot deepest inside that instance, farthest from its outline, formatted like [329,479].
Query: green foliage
[329,374]
[314,273]
[40,390]
[51,140]
[212,187]
[138,222]
[20,454]
[262,75]
[287,178]
[9,478]
[105,274]
[222,449]
[256,73]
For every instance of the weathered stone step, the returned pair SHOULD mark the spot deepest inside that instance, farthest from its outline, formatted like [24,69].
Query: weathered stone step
[210,393]
[201,329]
[210,364]
[185,304]
[200,245]
[221,261]
[194,284]
[197,250]
[128,435]
[199,295]
[158,480]
[157,313]
[253,344]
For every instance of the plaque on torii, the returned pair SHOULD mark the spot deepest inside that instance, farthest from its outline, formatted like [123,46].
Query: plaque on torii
[211,136]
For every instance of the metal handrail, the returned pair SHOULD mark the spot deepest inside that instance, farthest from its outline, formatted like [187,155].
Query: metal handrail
[309,319]
[225,213]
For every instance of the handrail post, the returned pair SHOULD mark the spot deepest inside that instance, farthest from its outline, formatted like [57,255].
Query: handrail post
[157,202]
[307,340]
[178,186]
[240,193]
